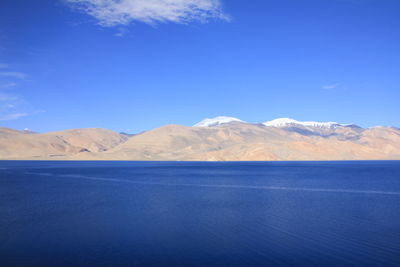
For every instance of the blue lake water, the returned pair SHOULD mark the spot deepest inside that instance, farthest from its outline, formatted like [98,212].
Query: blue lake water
[199,214]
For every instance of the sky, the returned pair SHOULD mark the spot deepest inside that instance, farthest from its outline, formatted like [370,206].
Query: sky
[134,65]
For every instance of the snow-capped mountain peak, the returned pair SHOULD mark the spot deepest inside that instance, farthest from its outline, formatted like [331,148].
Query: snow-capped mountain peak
[286,122]
[209,122]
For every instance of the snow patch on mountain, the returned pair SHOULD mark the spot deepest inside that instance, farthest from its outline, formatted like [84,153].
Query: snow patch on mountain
[287,122]
[209,122]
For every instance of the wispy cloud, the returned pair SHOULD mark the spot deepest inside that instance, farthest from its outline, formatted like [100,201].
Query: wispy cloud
[13,74]
[9,106]
[13,106]
[7,98]
[331,86]
[122,12]
[121,32]
[12,116]
[7,85]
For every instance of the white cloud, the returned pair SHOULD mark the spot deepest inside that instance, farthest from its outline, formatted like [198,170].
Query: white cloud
[122,12]
[331,86]
[13,74]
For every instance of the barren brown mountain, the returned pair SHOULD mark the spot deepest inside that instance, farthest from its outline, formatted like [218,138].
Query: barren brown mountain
[63,144]
[227,141]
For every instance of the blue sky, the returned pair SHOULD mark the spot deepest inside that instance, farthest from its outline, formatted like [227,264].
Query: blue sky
[135,66]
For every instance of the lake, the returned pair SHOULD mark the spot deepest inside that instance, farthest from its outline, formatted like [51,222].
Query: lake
[199,213]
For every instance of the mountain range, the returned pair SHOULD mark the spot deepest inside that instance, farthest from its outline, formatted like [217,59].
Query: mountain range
[215,139]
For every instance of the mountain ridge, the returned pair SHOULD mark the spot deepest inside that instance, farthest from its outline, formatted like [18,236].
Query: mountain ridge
[218,139]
